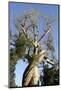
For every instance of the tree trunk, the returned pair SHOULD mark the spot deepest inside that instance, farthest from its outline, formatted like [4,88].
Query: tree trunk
[32,78]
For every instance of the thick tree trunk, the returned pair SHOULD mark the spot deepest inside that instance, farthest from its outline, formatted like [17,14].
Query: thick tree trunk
[31,73]
[32,78]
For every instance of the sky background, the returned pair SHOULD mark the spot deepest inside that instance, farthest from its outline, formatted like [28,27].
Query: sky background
[17,9]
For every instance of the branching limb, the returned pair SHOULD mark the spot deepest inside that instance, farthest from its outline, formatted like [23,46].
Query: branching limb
[23,31]
[31,26]
[43,56]
[50,62]
[44,34]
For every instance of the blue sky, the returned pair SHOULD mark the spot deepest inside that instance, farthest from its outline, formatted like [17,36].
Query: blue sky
[17,9]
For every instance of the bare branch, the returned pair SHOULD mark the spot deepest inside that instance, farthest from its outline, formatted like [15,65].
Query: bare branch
[30,26]
[25,20]
[50,62]
[23,31]
[43,54]
[44,34]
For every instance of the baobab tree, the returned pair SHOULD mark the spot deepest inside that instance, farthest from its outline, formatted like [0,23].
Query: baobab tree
[27,45]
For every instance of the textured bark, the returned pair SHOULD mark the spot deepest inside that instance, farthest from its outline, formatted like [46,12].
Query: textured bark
[32,78]
[31,73]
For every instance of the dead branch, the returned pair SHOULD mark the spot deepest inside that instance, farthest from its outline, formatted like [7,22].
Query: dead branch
[50,62]
[46,32]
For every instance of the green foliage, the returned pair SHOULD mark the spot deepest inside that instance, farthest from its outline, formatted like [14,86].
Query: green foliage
[12,76]
[12,63]
[21,40]
[49,42]
[21,46]
[29,43]
[50,76]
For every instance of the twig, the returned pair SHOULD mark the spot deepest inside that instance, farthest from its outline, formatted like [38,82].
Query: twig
[44,34]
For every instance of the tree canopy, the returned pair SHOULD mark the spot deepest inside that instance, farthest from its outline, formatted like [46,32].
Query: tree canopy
[26,43]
